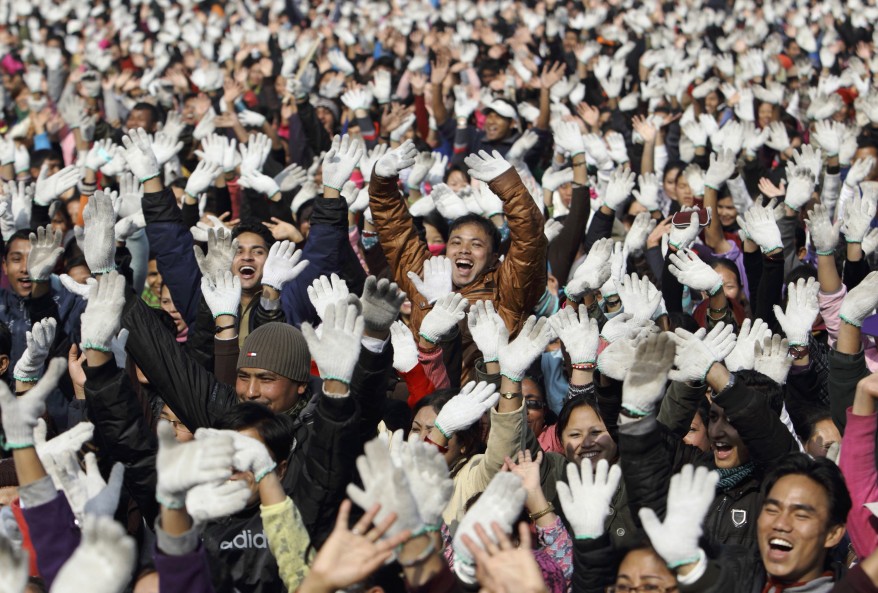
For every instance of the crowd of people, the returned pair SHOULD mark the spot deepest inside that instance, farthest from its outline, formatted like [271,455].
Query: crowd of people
[437,296]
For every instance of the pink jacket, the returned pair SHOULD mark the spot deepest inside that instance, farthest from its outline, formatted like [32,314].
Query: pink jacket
[830,306]
[857,463]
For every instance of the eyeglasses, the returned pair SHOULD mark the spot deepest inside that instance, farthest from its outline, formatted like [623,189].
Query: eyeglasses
[177,424]
[534,404]
[645,588]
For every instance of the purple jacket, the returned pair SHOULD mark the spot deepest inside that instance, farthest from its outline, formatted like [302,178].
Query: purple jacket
[186,573]
[54,534]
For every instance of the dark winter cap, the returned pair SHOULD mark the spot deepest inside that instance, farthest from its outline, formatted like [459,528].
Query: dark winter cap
[279,348]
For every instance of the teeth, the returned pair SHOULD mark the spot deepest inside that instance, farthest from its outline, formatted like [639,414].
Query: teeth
[781,542]
[591,454]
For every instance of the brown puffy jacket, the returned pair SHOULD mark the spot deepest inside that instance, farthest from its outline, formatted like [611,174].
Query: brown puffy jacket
[514,285]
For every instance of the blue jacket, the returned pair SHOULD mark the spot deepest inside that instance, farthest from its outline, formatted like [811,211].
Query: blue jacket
[19,314]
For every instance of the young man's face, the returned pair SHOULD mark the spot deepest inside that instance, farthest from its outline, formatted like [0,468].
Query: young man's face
[496,126]
[140,118]
[249,259]
[15,267]
[469,249]
[794,531]
[267,388]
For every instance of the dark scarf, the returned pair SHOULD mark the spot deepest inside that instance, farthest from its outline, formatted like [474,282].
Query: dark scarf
[731,477]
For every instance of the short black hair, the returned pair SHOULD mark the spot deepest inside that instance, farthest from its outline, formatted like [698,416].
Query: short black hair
[19,234]
[486,225]
[154,112]
[41,156]
[820,470]
[256,228]
[577,401]
[276,430]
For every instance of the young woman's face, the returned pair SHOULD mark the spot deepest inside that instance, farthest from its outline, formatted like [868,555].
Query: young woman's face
[730,283]
[670,183]
[765,115]
[586,436]
[457,181]
[684,193]
[697,435]
[536,406]
[422,424]
[726,211]
[711,103]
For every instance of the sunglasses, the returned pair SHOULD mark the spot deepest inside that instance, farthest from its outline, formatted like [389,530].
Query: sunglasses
[533,404]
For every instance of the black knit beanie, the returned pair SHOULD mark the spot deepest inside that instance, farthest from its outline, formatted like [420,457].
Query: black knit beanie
[279,348]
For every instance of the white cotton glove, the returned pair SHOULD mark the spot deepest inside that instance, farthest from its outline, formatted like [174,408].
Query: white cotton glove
[357,99]
[14,567]
[722,167]
[695,176]
[260,183]
[381,86]
[405,350]
[202,177]
[617,148]
[165,148]
[446,313]
[341,160]
[859,171]
[772,359]
[448,203]
[222,293]
[250,455]
[552,228]
[29,367]
[254,153]
[102,497]
[641,228]
[251,119]
[500,503]
[568,137]
[436,174]
[393,161]
[697,352]
[637,298]
[221,249]
[489,203]
[102,563]
[800,186]
[810,158]
[857,218]
[357,199]
[860,301]
[45,251]
[778,139]
[182,466]
[103,314]
[870,242]
[579,334]
[742,357]
[217,500]
[824,234]
[552,180]
[140,156]
[619,188]
[130,196]
[20,414]
[828,135]
[337,349]
[486,167]
[690,271]
[597,150]
[48,189]
[464,105]
[760,225]
[326,291]
[386,483]
[53,452]
[801,312]
[488,330]
[428,478]
[587,496]
[282,265]
[437,279]
[399,132]
[648,193]
[690,497]
[644,385]
[291,177]
[695,132]
[593,272]
[99,241]
[423,163]
[466,408]
[517,356]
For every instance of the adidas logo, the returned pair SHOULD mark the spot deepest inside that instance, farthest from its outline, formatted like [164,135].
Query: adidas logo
[244,540]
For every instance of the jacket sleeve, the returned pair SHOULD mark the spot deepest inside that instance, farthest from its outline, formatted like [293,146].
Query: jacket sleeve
[562,251]
[505,439]
[403,247]
[857,464]
[288,540]
[678,407]
[327,465]
[122,432]
[53,531]
[768,439]
[595,563]
[369,390]
[434,366]
[601,227]
[181,562]
[325,250]
[522,275]
[171,242]
[845,371]
[192,392]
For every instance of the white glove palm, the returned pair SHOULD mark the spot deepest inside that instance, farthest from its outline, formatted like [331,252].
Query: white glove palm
[801,312]
[486,167]
[437,279]
[682,238]
[139,155]
[488,330]
[824,234]
[697,352]
[741,358]
[446,313]
[587,495]
[690,496]
[579,334]
[761,226]
[688,268]
[594,271]
[637,298]
[861,301]
[857,218]
[39,340]
[619,188]
[103,313]
[405,351]
[772,359]
[337,349]
[182,466]
[394,161]
[282,265]
[326,291]
[465,408]
[48,189]
[222,293]
[341,160]
[45,251]
[645,382]
[518,355]
[99,241]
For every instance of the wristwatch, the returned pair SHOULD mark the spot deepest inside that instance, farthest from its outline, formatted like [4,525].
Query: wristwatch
[799,352]
[510,395]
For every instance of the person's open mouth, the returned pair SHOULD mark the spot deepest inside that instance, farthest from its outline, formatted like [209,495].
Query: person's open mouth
[247,272]
[722,450]
[779,549]
[464,265]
